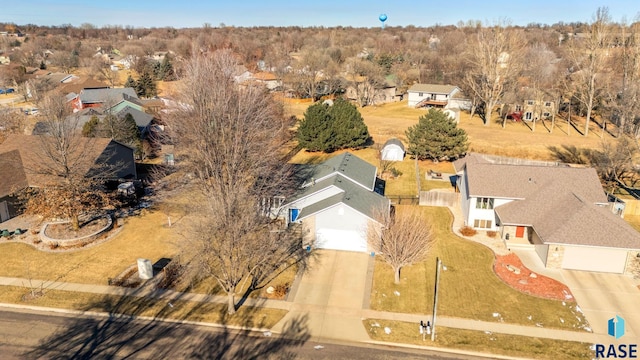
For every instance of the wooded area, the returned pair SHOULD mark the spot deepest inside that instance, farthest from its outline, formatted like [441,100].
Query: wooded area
[588,68]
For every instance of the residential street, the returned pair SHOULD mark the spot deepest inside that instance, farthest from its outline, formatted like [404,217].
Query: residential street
[31,335]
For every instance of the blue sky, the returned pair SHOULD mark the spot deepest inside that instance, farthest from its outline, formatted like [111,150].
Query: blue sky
[356,13]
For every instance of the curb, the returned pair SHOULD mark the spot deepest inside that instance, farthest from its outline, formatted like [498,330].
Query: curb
[447,350]
[129,317]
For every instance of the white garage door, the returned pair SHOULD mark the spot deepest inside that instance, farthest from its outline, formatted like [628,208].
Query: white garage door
[594,259]
[340,240]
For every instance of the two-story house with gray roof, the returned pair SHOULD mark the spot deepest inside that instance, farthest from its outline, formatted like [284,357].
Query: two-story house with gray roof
[562,212]
[336,203]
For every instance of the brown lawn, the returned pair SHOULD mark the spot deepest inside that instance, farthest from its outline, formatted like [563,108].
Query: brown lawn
[516,139]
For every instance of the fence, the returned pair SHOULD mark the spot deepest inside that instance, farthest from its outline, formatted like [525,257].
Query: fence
[438,198]
[403,199]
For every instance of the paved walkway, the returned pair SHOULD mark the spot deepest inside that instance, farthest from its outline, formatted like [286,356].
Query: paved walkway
[325,321]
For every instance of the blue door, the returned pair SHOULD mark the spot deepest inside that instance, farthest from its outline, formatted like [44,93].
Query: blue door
[293,214]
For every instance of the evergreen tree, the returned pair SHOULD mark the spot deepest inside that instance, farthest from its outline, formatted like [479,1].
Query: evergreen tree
[436,137]
[146,86]
[315,132]
[130,133]
[349,127]
[130,83]
[329,128]
[165,72]
[90,128]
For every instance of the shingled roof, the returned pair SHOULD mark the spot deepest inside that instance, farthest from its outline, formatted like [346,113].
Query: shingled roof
[559,216]
[564,205]
[432,88]
[350,179]
[521,182]
[14,177]
[27,153]
[347,165]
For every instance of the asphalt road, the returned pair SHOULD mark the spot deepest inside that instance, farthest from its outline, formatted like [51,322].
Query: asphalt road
[35,335]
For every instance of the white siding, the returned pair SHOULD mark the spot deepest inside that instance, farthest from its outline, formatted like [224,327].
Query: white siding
[392,153]
[484,214]
[341,228]
[464,196]
[314,198]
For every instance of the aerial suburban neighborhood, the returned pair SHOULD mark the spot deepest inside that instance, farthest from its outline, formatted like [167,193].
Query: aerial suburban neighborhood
[365,190]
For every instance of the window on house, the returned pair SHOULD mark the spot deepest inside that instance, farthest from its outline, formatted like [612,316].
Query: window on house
[546,114]
[518,108]
[528,115]
[484,203]
[482,224]
[530,102]
[420,94]
[547,104]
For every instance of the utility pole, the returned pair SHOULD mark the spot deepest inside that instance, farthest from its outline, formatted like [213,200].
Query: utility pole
[435,300]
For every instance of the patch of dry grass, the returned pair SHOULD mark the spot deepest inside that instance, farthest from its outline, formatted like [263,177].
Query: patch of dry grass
[146,236]
[471,340]
[180,310]
[469,288]
[516,139]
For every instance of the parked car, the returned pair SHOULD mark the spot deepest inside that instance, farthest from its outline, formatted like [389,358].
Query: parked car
[7,90]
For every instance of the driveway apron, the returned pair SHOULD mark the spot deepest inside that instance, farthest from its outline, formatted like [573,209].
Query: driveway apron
[602,296]
[331,294]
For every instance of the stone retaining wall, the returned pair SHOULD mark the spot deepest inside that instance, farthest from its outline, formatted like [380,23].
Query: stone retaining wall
[73,241]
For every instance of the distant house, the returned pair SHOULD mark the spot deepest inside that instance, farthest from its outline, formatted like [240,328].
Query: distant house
[532,110]
[562,212]
[431,95]
[358,89]
[24,164]
[99,97]
[393,150]
[143,120]
[336,203]
[270,80]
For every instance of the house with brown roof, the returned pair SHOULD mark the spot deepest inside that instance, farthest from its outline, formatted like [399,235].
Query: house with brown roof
[23,164]
[560,211]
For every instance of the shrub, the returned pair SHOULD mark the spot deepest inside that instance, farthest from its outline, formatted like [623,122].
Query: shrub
[280,290]
[491,233]
[468,231]
[395,172]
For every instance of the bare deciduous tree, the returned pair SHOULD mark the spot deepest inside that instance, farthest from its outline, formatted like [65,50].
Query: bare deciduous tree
[229,138]
[64,163]
[494,56]
[588,56]
[401,238]
[12,121]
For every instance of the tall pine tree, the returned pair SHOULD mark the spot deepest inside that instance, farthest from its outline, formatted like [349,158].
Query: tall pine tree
[329,128]
[146,86]
[348,125]
[436,137]
[315,132]
[130,83]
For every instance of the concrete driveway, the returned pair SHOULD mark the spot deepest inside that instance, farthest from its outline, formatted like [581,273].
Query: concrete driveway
[601,296]
[331,295]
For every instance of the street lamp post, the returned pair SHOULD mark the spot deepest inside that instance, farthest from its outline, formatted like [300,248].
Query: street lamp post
[435,299]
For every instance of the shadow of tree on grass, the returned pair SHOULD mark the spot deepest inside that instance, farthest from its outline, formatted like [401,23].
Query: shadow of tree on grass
[122,335]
